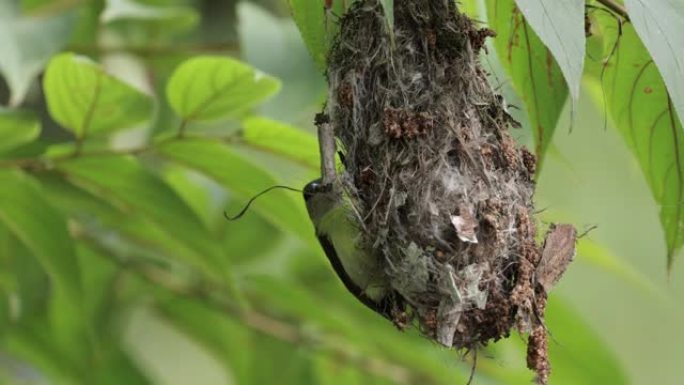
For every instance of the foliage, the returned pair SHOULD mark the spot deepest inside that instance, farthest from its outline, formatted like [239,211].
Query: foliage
[116,168]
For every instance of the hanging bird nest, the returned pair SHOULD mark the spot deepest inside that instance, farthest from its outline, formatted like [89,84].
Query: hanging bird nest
[441,191]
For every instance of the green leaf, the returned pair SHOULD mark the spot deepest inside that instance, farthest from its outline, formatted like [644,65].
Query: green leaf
[123,181]
[560,26]
[17,128]
[645,116]
[330,371]
[577,354]
[33,343]
[228,339]
[167,17]
[209,88]
[101,222]
[533,71]
[26,44]
[281,362]
[86,100]
[244,179]
[601,257]
[580,356]
[325,313]
[115,367]
[388,8]
[660,24]
[42,229]
[282,139]
[315,28]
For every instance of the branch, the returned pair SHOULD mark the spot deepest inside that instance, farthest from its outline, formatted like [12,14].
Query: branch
[326,140]
[615,7]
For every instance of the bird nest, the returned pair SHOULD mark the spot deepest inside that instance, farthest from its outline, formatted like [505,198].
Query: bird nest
[442,193]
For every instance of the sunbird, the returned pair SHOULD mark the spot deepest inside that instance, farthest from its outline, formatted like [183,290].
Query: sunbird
[339,233]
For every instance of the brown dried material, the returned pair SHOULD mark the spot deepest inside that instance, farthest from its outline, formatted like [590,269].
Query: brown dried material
[530,162]
[559,251]
[441,189]
[345,95]
[478,37]
[538,354]
[399,123]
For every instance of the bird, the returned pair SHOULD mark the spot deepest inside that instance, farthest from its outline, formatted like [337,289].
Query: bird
[338,232]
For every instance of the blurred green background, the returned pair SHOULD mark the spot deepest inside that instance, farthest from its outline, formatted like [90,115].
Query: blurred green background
[617,310]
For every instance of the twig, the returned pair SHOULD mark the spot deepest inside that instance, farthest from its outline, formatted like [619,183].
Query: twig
[326,142]
[615,7]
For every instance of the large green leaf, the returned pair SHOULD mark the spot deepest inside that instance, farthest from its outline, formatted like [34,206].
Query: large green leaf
[43,230]
[388,8]
[660,24]
[316,29]
[116,367]
[125,182]
[161,17]
[645,116]
[227,338]
[348,324]
[282,139]
[33,343]
[212,87]
[281,362]
[578,355]
[601,257]
[86,100]
[26,44]
[560,26]
[110,225]
[535,74]
[244,179]
[17,128]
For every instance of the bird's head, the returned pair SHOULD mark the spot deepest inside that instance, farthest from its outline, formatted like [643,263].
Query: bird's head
[320,199]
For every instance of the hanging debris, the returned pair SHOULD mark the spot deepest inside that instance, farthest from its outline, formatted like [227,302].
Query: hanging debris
[440,190]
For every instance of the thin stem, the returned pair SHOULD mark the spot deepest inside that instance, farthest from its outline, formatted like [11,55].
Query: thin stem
[79,146]
[326,140]
[181,128]
[615,7]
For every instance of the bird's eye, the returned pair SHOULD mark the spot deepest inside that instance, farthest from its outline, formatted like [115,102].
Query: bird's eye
[312,188]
